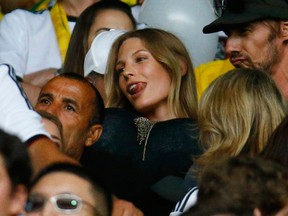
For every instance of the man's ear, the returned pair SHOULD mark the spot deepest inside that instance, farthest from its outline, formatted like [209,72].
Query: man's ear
[95,132]
[284,30]
[18,200]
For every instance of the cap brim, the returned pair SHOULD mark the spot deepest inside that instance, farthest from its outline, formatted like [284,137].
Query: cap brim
[229,20]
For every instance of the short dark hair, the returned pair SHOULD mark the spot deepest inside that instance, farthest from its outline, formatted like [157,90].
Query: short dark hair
[239,185]
[16,159]
[99,190]
[98,109]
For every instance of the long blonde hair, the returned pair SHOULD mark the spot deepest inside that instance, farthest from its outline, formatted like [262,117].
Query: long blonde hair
[237,114]
[168,50]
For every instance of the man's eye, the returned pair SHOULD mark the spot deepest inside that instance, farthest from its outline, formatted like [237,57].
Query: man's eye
[244,31]
[44,101]
[70,108]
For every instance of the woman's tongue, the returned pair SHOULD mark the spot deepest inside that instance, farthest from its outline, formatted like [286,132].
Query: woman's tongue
[136,88]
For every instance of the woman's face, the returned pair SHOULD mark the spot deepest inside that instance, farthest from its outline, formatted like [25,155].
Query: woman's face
[143,80]
[111,19]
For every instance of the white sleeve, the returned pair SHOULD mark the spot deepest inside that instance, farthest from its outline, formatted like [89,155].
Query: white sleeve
[16,113]
[28,42]
[14,42]
[187,202]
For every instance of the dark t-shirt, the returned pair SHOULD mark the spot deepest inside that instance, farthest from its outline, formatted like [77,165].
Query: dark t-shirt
[117,159]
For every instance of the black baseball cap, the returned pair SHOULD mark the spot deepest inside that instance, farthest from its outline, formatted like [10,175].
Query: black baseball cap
[245,11]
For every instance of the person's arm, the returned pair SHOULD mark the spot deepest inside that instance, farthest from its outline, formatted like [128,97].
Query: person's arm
[40,78]
[32,83]
[32,92]
[44,152]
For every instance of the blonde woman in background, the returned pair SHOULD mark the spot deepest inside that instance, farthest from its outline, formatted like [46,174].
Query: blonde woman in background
[237,114]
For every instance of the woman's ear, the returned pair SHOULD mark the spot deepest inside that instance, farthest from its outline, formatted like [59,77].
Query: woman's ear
[94,134]
[18,200]
[183,66]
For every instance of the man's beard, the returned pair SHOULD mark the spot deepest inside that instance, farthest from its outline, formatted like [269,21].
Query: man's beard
[271,60]
[267,65]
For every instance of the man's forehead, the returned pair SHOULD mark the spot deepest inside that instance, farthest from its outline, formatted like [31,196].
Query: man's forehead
[63,82]
[68,88]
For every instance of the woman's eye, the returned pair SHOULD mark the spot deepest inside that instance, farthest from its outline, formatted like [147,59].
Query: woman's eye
[140,59]
[120,70]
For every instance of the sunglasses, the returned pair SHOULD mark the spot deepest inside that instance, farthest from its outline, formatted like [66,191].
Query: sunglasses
[219,6]
[62,203]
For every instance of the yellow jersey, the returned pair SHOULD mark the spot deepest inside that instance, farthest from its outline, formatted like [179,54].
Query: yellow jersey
[207,72]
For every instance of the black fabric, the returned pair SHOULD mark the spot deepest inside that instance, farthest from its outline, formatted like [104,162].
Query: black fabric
[117,158]
[245,11]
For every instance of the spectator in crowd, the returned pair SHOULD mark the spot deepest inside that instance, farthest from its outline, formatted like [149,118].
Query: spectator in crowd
[100,16]
[257,36]
[18,118]
[15,172]
[242,186]
[69,189]
[237,114]
[141,63]
[79,107]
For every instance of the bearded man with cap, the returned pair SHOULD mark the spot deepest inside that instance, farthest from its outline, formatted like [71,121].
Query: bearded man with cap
[257,33]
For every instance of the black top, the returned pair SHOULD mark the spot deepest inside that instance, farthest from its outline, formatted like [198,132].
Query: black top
[117,159]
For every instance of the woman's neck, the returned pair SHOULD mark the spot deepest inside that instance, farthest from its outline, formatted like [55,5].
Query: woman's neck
[76,7]
[159,116]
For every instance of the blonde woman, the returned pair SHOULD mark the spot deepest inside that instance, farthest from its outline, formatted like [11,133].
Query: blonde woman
[171,56]
[237,114]
[152,110]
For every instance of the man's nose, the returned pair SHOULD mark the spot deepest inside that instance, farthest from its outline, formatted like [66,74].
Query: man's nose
[52,109]
[233,44]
